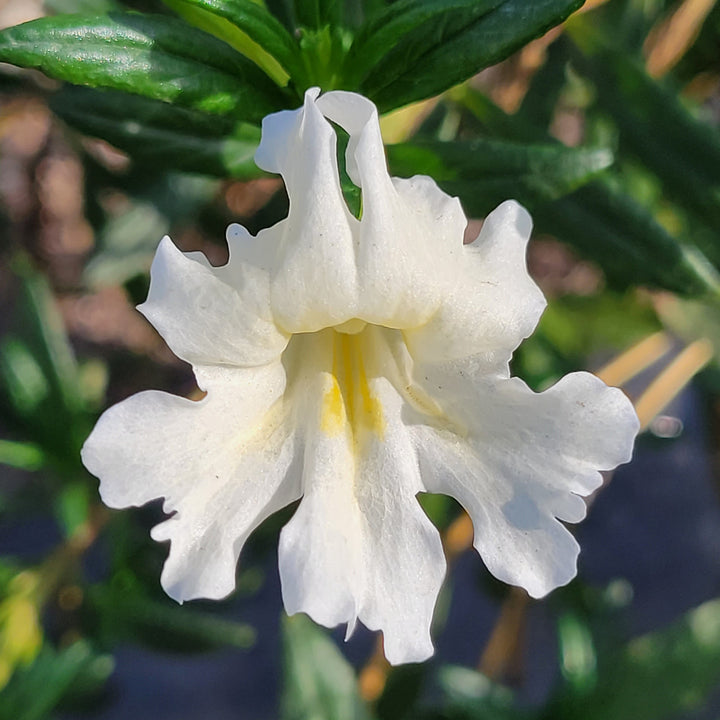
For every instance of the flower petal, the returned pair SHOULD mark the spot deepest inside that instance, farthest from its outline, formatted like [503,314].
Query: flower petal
[523,463]
[222,464]
[211,316]
[492,303]
[391,268]
[410,238]
[359,546]
[318,232]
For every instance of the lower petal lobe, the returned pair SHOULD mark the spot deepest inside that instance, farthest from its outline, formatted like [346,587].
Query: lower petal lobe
[524,461]
[222,464]
[359,546]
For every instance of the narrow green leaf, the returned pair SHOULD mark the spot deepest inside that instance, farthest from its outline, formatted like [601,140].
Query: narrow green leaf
[538,105]
[307,13]
[125,613]
[656,127]
[282,11]
[385,29]
[250,29]
[609,227]
[33,692]
[319,683]
[660,675]
[22,376]
[484,172]
[73,505]
[21,455]
[315,14]
[155,56]
[39,378]
[448,49]
[45,327]
[605,224]
[164,135]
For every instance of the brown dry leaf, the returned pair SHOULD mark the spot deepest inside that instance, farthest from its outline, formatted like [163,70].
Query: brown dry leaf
[670,38]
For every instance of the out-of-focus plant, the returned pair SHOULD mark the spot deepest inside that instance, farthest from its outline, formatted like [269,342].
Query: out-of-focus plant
[20,633]
[597,118]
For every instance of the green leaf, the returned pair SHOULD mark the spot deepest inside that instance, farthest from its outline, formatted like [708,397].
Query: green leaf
[34,691]
[659,675]
[608,226]
[155,56]
[22,376]
[73,505]
[447,49]
[39,377]
[540,101]
[382,33]
[605,224]
[282,10]
[250,29]
[578,658]
[155,133]
[317,13]
[124,613]
[319,683]
[403,688]
[483,173]
[579,325]
[24,456]
[656,127]
[471,696]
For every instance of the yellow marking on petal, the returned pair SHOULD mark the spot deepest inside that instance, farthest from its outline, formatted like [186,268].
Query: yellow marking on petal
[349,404]
[333,410]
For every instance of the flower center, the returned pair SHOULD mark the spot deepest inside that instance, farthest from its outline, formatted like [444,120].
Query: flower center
[349,405]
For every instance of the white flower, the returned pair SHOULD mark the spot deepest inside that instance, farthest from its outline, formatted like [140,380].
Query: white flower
[354,363]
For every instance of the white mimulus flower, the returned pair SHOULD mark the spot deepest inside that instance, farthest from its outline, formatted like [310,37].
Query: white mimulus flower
[353,364]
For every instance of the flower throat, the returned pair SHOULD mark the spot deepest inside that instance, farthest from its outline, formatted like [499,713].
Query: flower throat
[349,405]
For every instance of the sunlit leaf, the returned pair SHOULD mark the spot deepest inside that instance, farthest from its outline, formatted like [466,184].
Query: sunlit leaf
[449,48]
[249,28]
[155,56]
[384,30]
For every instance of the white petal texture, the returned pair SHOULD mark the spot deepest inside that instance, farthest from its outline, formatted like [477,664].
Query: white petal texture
[352,363]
